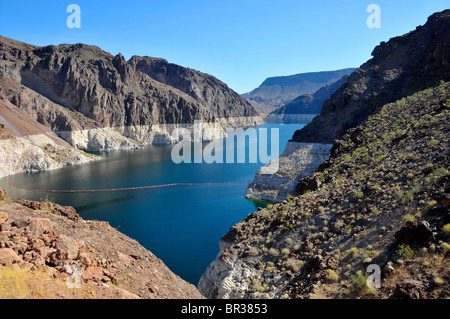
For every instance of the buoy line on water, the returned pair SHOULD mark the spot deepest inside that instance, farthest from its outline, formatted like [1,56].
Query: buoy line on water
[116,189]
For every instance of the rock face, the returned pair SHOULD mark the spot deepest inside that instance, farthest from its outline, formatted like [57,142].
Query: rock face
[27,145]
[38,153]
[297,161]
[97,101]
[277,91]
[309,104]
[399,67]
[54,240]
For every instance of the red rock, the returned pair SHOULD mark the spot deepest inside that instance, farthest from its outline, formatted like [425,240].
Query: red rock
[93,273]
[87,259]
[5,227]
[36,244]
[21,247]
[39,226]
[67,247]
[49,237]
[45,252]
[8,256]
[28,256]
[3,217]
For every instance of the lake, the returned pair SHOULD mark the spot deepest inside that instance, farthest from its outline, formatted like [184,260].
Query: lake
[182,225]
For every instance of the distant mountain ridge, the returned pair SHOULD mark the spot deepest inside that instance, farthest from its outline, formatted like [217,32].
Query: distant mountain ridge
[306,104]
[275,92]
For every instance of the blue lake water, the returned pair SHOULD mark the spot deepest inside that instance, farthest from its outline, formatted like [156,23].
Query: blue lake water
[182,225]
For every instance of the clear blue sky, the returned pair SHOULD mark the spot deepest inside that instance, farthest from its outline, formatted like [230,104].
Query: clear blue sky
[241,42]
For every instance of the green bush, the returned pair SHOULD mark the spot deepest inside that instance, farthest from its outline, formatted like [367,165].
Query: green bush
[405,251]
[331,276]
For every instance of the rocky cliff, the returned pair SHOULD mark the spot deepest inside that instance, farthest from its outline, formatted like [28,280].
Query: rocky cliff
[27,146]
[297,161]
[277,91]
[48,251]
[97,101]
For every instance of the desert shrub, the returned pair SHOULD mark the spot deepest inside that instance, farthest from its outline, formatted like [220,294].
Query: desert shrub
[446,229]
[294,264]
[285,251]
[405,251]
[354,252]
[274,252]
[331,276]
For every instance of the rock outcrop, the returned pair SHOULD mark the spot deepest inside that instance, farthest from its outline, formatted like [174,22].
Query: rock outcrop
[297,161]
[27,146]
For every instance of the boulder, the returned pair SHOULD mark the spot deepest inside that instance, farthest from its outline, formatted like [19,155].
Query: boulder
[414,232]
[314,262]
[388,269]
[3,217]
[19,223]
[93,273]
[310,183]
[39,226]
[5,227]
[56,209]
[67,247]
[87,259]
[410,289]
[8,256]
[66,211]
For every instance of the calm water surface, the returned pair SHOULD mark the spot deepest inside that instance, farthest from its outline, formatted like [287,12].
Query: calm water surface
[181,225]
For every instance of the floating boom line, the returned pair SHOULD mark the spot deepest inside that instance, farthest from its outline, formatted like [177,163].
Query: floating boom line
[116,189]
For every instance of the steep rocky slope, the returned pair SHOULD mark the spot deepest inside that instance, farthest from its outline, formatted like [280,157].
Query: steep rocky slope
[382,199]
[297,161]
[49,251]
[277,91]
[26,145]
[309,104]
[97,101]
[399,67]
